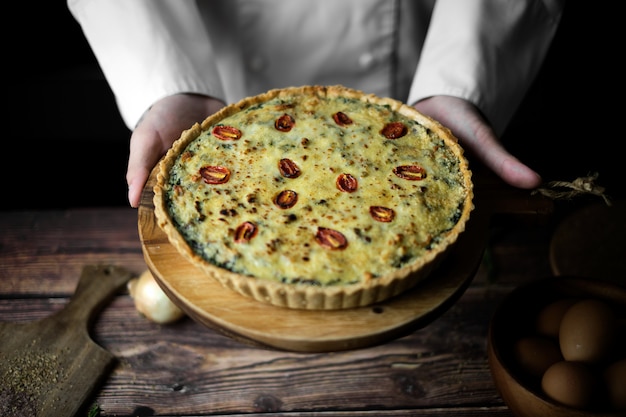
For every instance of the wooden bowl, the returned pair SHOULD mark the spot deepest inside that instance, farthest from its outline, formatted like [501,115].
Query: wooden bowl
[514,318]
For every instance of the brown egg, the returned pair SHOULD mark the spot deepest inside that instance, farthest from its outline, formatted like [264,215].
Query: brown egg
[570,383]
[549,318]
[615,382]
[535,354]
[588,331]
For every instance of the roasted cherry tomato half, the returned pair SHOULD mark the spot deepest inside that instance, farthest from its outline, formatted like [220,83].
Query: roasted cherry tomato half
[284,123]
[288,168]
[410,172]
[394,130]
[214,174]
[347,183]
[382,214]
[286,199]
[226,132]
[331,239]
[342,119]
[245,231]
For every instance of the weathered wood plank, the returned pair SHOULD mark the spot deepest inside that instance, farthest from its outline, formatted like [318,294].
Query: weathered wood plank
[43,252]
[188,369]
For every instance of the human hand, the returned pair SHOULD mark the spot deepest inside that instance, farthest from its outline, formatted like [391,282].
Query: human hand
[478,138]
[162,124]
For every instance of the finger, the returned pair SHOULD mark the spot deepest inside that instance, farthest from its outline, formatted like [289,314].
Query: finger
[479,139]
[145,152]
[136,183]
[515,173]
[482,142]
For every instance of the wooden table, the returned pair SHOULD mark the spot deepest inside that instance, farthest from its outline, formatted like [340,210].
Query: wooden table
[187,369]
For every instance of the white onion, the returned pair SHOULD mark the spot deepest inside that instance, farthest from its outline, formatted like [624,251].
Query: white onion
[151,301]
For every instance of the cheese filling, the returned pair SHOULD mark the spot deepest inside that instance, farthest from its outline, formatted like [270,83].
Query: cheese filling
[316,190]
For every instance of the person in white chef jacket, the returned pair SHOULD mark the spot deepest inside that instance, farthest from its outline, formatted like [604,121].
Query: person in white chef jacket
[466,63]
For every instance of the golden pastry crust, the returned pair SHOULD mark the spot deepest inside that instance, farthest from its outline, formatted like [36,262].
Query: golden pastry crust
[315,197]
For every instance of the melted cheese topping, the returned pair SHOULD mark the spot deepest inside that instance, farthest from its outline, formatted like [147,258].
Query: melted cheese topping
[284,246]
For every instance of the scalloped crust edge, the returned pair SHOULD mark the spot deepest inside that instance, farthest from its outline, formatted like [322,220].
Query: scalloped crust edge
[302,296]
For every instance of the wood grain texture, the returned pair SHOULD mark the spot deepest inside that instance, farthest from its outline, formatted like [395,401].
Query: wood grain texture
[49,367]
[44,252]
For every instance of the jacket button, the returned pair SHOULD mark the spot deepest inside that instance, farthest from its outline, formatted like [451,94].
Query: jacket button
[367,60]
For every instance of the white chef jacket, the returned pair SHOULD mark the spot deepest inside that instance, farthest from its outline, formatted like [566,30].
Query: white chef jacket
[485,51]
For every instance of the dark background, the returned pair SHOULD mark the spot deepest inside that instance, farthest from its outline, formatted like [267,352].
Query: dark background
[66,145]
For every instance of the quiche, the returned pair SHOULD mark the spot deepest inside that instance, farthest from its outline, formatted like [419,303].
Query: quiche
[315,197]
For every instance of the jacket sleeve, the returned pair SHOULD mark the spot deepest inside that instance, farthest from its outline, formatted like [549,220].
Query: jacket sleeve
[148,49]
[486,51]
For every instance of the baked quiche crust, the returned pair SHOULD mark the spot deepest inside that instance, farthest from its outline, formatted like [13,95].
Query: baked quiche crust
[315,197]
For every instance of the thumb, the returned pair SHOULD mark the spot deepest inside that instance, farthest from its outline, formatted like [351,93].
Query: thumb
[144,154]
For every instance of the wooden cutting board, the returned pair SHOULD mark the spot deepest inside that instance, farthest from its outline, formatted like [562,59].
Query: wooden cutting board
[208,302]
[51,366]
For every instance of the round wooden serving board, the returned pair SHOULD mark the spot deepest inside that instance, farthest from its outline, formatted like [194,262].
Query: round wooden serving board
[208,302]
